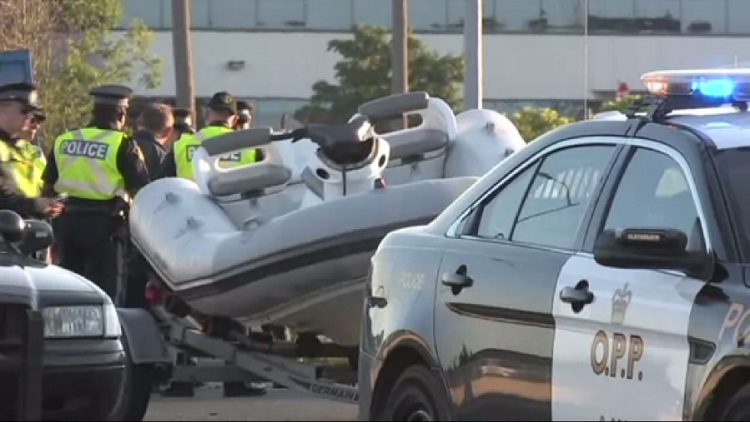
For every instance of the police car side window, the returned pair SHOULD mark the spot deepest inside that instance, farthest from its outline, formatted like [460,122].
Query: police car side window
[562,190]
[498,214]
[653,192]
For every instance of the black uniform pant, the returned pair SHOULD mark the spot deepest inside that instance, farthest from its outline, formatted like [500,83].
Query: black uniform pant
[85,246]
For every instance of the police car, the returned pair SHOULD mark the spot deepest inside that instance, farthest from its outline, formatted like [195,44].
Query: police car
[600,273]
[91,361]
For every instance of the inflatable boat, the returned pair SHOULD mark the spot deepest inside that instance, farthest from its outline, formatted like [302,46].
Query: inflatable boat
[239,243]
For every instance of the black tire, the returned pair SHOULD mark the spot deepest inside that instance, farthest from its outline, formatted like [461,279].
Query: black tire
[417,395]
[136,391]
[738,406]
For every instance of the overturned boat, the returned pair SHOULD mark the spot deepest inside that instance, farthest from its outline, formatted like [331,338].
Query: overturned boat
[240,244]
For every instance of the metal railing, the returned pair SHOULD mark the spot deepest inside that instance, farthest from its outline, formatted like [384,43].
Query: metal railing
[634,17]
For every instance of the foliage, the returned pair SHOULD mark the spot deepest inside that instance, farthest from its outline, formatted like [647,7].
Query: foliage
[73,50]
[533,122]
[364,73]
[620,104]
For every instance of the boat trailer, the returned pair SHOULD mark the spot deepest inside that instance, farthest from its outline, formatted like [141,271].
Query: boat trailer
[248,360]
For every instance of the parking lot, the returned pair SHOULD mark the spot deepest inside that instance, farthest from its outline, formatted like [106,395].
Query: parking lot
[277,405]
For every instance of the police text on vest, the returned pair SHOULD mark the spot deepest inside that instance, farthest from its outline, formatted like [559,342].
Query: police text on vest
[88,149]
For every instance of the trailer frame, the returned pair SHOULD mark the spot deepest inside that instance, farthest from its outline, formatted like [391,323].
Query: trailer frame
[248,362]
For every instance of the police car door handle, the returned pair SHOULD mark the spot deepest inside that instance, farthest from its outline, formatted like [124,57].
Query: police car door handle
[577,296]
[457,280]
[376,302]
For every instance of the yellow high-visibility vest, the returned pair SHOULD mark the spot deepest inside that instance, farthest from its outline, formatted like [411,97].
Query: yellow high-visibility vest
[185,147]
[20,167]
[87,164]
[38,160]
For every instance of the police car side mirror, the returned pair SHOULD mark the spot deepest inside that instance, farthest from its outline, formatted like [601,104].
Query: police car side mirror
[12,226]
[37,235]
[651,248]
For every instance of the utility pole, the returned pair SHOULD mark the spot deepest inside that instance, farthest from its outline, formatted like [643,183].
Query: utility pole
[586,11]
[182,52]
[473,76]
[399,48]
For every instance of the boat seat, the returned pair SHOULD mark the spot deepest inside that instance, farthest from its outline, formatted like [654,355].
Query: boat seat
[412,145]
[251,178]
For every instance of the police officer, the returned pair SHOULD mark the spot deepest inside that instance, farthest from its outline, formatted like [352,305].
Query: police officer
[221,115]
[18,102]
[33,168]
[32,152]
[244,115]
[183,122]
[100,168]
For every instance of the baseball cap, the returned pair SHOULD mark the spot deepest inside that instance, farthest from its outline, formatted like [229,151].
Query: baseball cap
[223,101]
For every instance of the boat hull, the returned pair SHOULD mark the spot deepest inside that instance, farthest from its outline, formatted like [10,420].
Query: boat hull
[305,269]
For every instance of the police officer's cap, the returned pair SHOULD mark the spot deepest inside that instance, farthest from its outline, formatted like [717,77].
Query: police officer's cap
[117,95]
[223,101]
[24,93]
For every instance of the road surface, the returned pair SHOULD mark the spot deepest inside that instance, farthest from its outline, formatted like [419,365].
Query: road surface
[278,405]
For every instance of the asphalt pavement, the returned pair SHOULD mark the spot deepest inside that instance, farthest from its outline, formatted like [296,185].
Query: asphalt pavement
[278,405]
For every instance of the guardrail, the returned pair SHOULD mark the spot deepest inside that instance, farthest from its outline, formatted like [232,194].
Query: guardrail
[634,17]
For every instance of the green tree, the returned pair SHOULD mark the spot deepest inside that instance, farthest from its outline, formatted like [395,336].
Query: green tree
[533,122]
[364,74]
[620,104]
[74,49]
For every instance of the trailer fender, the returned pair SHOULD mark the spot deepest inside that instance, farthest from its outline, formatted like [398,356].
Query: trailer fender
[145,342]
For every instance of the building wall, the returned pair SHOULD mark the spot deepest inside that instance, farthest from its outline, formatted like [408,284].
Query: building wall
[700,17]
[533,49]
[516,67]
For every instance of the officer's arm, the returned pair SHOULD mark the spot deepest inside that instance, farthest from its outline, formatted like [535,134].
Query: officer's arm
[50,175]
[13,199]
[168,167]
[131,166]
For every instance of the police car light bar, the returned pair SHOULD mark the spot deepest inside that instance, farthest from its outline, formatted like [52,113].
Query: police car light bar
[731,85]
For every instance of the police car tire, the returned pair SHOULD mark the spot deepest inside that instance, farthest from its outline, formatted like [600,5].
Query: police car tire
[416,390]
[137,388]
[738,406]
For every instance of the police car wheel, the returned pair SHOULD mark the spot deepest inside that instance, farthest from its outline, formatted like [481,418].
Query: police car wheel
[738,406]
[136,390]
[416,396]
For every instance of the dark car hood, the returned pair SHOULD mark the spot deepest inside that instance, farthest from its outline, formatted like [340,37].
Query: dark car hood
[27,281]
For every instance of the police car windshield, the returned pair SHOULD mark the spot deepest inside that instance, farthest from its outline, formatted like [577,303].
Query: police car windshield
[733,165]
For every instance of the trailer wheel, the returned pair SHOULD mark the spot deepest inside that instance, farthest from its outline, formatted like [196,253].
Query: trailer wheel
[136,390]
[416,396]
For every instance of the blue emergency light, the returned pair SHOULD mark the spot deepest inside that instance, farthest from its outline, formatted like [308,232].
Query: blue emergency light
[731,85]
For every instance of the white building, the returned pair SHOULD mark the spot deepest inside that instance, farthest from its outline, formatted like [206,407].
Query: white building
[272,51]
